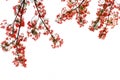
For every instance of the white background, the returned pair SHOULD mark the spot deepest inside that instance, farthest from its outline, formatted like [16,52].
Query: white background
[82,57]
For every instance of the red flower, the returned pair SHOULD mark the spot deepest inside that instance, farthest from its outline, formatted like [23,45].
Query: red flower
[91,29]
[102,33]
[22,22]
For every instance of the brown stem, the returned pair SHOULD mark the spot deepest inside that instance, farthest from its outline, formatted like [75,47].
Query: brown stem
[100,15]
[22,6]
[109,14]
[16,16]
[98,18]
[76,7]
[43,20]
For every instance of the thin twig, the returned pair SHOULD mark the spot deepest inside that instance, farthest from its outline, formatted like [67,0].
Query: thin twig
[43,20]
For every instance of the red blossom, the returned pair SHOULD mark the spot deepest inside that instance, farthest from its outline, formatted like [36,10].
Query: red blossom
[102,33]
[76,7]
[107,16]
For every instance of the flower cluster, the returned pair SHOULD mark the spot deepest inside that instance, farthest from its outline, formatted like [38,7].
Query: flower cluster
[40,25]
[107,15]
[75,7]
[15,38]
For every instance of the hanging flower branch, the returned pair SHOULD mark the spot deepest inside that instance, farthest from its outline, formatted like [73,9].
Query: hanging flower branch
[107,16]
[74,7]
[34,27]
[14,40]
